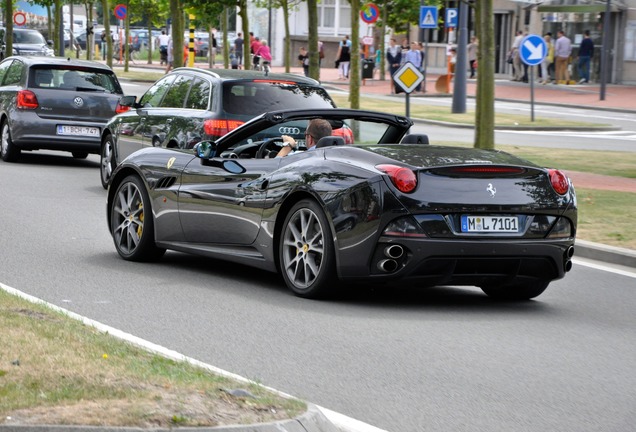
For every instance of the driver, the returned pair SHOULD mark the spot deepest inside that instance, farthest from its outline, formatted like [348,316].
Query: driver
[316,129]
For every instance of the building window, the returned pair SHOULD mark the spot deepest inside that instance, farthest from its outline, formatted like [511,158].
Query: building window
[327,13]
[334,14]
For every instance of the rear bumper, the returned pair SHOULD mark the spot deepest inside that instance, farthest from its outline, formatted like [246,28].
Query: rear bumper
[31,132]
[461,262]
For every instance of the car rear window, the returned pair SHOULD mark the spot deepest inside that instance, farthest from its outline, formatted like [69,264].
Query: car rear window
[74,79]
[257,97]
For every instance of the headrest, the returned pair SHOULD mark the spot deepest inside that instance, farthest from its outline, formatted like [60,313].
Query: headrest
[415,139]
[329,141]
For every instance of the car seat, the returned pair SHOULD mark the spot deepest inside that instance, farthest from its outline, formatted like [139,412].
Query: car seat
[72,79]
[43,78]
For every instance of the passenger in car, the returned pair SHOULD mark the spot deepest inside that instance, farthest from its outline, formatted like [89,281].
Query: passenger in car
[316,129]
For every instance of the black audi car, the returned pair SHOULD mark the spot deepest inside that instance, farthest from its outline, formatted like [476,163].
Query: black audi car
[387,208]
[190,105]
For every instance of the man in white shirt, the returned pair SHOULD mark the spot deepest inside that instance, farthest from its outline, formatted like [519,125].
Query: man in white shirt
[562,52]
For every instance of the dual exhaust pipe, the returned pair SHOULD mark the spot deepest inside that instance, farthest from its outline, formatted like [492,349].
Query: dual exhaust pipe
[567,258]
[390,263]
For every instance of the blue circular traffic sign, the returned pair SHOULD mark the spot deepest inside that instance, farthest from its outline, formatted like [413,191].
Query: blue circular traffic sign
[533,50]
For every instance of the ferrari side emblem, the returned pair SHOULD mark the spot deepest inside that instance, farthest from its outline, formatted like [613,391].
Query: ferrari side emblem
[170,162]
[492,190]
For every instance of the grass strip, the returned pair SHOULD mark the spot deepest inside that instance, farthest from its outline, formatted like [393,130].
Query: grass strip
[55,370]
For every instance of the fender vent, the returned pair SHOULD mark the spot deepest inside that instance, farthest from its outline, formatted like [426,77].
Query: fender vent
[165,182]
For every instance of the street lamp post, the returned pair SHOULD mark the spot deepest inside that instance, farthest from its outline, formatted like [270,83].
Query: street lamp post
[605,51]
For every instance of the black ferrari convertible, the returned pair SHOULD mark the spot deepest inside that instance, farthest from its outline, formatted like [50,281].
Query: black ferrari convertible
[371,203]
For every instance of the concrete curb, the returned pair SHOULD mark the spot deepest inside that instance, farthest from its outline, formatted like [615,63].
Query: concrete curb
[313,420]
[604,253]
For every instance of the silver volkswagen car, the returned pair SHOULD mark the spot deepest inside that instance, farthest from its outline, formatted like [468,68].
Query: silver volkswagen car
[55,103]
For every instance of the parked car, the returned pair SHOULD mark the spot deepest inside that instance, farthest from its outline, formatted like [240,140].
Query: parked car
[55,104]
[189,105]
[140,38]
[385,209]
[26,42]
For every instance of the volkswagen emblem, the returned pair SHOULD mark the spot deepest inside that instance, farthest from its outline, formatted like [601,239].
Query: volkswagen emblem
[78,101]
[286,130]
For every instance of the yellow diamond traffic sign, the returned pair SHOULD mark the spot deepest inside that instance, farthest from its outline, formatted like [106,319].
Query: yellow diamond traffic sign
[408,77]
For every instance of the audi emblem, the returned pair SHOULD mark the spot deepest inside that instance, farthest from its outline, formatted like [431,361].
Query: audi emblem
[285,130]
[78,101]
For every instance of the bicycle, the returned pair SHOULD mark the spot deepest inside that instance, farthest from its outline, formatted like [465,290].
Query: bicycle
[133,54]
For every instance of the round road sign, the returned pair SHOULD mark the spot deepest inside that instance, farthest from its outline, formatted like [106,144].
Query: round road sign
[121,11]
[533,50]
[19,18]
[370,13]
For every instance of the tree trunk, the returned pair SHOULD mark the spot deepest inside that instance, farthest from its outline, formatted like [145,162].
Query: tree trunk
[176,12]
[247,54]
[312,40]
[485,108]
[109,40]
[354,69]
[287,54]
[8,34]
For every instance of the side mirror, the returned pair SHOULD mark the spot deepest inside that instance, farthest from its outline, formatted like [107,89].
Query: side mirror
[205,149]
[127,101]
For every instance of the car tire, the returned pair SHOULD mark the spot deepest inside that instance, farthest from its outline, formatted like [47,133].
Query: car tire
[132,223]
[79,155]
[106,160]
[516,291]
[306,251]
[8,151]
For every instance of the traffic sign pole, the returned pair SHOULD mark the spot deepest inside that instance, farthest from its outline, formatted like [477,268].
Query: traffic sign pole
[532,51]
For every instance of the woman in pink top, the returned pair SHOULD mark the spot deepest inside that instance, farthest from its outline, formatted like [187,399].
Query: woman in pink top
[263,52]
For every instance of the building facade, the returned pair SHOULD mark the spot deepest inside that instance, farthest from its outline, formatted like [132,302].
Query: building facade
[574,17]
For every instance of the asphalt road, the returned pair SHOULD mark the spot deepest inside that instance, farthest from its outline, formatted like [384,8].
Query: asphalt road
[440,359]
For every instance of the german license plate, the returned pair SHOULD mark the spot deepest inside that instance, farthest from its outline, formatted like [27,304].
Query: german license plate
[509,224]
[77,130]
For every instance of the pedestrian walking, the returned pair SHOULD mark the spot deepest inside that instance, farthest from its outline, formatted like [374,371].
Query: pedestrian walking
[472,56]
[394,59]
[344,57]
[238,49]
[516,57]
[303,58]
[562,52]
[548,60]
[586,52]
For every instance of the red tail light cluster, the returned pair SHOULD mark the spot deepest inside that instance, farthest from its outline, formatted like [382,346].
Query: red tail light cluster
[219,127]
[27,100]
[402,178]
[121,109]
[345,132]
[559,181]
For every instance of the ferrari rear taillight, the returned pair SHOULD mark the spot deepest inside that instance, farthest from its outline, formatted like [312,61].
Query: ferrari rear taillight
[27,100]
[219,127]
[121,109]
[559,181]
[402,178]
